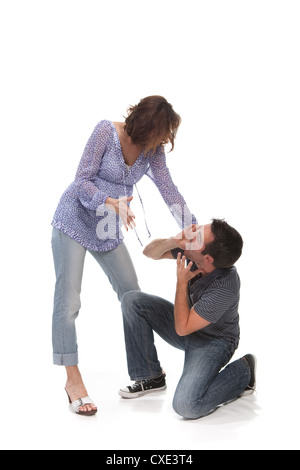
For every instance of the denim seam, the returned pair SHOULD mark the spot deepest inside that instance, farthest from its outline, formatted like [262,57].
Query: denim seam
[148,362]
[61,302]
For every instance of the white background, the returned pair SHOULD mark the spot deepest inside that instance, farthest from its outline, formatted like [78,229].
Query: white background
[231,70]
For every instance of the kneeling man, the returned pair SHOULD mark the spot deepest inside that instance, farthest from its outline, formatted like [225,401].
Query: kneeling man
[204,323]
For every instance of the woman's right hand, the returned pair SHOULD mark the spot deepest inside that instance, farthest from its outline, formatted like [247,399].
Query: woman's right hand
[191,238]
[120,206]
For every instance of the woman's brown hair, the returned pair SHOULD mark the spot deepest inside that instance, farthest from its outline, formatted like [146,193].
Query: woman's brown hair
[152,122]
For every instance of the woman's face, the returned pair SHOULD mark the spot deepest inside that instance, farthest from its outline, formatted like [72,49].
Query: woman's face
[155,141]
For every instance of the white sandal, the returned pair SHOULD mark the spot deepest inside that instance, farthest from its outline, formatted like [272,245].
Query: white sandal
[82,402]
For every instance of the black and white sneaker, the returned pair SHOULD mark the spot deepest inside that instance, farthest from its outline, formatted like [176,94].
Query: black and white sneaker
[252,361]
[143,387]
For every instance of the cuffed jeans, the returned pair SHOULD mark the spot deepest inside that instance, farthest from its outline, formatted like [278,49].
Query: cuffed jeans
[69,259]
[203,385]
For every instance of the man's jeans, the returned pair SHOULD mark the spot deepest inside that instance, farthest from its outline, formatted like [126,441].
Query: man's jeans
[69,259]
[202,386]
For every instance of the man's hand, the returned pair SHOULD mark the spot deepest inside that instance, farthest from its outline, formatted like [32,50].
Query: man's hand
[186,321]
[184,273]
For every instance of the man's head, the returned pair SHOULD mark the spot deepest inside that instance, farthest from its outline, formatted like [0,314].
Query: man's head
[222,247]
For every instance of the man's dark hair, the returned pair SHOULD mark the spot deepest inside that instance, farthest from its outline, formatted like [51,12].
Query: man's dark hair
[226,248]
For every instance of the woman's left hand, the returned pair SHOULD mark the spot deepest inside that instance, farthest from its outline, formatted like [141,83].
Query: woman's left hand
[120,206]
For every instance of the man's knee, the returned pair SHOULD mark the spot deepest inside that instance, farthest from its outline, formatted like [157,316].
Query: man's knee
[131,301]
[183,408]
[189,409]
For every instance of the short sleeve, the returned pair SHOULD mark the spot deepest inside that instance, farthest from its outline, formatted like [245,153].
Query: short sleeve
[213,304]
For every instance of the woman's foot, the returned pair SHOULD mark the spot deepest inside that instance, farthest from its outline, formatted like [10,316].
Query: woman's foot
[76,389]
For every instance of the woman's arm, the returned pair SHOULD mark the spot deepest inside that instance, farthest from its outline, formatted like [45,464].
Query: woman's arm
[160,175]
[90,196]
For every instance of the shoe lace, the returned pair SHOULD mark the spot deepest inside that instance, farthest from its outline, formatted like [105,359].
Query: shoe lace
[139,384]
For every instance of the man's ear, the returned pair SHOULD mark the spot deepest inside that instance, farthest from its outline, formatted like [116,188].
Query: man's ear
[208,260]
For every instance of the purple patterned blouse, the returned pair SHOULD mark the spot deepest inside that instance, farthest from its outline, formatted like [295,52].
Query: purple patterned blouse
[102,172]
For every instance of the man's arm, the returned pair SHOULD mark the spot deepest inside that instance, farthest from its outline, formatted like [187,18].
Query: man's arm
[186,321]
[161,248]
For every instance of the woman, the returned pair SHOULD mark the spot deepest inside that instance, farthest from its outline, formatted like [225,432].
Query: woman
[91,211]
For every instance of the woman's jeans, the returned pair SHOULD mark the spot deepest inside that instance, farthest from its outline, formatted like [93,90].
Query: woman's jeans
[69,259]
[202,387]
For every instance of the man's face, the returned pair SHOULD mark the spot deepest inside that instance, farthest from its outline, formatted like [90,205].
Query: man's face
[196,255]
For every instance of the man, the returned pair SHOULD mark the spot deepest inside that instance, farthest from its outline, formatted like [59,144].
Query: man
[204,322]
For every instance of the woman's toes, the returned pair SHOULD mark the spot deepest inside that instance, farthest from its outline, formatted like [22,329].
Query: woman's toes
[86,408]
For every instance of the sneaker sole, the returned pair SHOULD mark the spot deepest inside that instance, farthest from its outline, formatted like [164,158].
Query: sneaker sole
[124,394]
[252,390]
